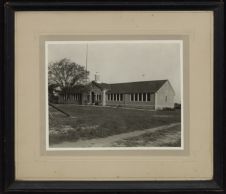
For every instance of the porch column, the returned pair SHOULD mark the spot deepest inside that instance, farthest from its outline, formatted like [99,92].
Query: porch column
[104,98]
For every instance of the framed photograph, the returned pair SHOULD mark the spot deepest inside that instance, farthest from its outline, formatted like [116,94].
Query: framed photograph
[113,96]
[91,108]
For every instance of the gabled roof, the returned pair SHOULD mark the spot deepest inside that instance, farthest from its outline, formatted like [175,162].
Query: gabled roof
[128,87]
[102,86]
[136,87]
[132,87]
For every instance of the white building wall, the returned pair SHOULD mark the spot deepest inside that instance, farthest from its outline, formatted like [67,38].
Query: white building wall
[164,97]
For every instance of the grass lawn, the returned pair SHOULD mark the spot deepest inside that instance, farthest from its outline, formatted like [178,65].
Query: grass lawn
[87,122]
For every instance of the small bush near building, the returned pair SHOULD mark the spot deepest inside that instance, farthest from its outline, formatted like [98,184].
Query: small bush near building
[168,109]
[177,106]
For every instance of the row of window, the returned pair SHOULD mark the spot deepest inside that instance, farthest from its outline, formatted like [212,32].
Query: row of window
[75,97]
[142,97]
[115,97]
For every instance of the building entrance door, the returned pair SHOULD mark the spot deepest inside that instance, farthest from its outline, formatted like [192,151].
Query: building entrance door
[93,97]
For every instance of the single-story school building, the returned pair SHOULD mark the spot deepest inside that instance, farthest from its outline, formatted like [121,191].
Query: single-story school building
[156,94]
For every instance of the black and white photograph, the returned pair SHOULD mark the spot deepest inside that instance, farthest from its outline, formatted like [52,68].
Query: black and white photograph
[125,94]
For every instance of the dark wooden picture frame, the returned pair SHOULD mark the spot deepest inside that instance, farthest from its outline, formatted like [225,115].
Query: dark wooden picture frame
[7,173]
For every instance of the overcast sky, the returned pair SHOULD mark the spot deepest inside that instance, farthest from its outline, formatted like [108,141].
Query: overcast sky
[127,61]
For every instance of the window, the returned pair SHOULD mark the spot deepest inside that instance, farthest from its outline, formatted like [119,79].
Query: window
[132,97]
[121,97]
[136,97]
[111,96]
[148,97]
[144,97]
[166,99]
[100,97]
[114,97]
[117,97]
[140,96]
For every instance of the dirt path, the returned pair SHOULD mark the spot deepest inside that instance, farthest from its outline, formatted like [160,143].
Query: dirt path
[108,141]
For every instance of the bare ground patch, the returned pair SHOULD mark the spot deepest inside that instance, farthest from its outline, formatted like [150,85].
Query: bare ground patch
[169,137]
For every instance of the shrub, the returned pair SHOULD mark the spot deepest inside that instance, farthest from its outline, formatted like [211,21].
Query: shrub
[168,109]
[177,106]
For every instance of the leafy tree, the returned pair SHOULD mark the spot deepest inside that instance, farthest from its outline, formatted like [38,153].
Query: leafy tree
[66,74]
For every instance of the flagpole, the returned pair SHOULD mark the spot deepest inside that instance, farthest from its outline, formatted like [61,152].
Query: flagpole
[86,61]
